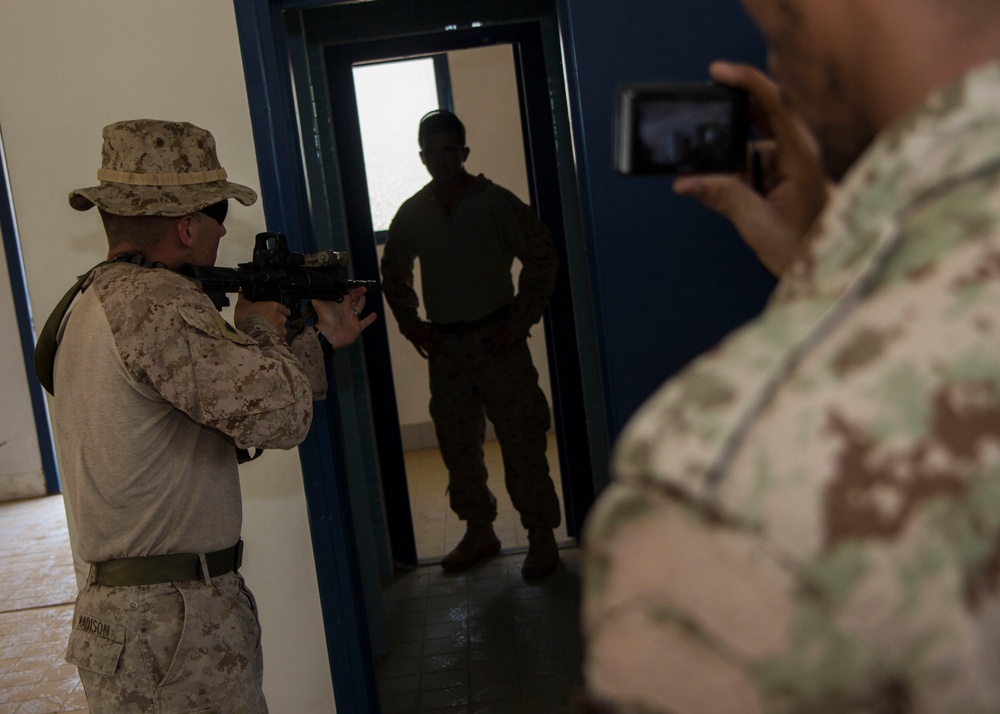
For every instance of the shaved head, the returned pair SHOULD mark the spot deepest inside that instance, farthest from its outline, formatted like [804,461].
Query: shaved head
[137,232]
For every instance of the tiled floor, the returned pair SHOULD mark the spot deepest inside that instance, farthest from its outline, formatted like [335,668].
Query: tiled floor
[483,641]
[37,589]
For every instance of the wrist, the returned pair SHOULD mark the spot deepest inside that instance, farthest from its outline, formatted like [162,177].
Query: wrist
[414,330]
[325,345]
[251,324]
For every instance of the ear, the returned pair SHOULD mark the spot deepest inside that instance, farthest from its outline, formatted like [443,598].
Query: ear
[465,154]
[182,231]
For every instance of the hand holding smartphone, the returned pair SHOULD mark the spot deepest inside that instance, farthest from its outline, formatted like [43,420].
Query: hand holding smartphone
[680,129]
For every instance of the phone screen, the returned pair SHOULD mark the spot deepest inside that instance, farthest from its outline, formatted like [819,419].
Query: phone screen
[680,129]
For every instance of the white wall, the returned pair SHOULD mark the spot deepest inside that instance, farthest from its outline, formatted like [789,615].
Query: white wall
[66,70]
[484,91]
[20,462]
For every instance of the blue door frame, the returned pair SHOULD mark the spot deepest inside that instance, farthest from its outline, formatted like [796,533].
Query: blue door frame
[543,186]
[265,51]
[269,92]
[25,328]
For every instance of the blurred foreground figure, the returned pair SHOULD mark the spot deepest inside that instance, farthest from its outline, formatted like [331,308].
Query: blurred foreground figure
[806,518]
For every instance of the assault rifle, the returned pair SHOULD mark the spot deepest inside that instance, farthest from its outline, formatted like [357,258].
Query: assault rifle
[279,275]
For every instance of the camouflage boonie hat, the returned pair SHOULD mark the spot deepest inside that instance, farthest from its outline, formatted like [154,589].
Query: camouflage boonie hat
[158,168]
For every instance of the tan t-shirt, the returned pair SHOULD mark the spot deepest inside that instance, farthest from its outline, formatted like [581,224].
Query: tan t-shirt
[154,392]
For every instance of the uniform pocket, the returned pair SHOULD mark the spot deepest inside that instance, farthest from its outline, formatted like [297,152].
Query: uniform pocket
[95,645]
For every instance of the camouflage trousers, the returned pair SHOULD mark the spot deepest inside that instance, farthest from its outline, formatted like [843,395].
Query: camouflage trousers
[468,384]
[170,648]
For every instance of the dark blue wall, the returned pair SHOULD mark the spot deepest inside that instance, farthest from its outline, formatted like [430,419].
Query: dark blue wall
[670,277]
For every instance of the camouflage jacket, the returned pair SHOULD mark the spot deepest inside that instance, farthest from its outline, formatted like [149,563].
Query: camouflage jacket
[154,392]
[804,519]
[466,258]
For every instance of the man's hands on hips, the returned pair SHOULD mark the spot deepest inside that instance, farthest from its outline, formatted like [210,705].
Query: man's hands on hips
[424,338]
[499,338]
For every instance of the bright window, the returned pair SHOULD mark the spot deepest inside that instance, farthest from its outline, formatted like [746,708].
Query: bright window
[392,97]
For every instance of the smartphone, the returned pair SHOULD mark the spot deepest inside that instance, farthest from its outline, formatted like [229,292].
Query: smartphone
[680,129]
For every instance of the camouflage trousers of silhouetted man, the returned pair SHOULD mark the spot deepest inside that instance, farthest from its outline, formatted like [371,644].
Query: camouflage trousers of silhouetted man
[467,383]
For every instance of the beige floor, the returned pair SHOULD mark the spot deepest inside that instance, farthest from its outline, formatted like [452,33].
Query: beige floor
[37,588]
[437,530]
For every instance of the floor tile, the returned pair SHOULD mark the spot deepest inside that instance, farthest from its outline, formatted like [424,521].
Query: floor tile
[37,589]
[520,652]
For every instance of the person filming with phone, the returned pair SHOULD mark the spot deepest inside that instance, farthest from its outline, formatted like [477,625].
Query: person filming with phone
[804,519]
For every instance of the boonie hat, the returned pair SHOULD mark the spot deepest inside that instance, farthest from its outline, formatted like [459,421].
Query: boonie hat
[158,168]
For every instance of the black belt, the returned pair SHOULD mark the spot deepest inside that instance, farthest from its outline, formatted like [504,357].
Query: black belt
[464,328]
[175,567]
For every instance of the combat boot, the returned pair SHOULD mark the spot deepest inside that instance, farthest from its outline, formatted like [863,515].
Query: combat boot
[543,554]
[478,542]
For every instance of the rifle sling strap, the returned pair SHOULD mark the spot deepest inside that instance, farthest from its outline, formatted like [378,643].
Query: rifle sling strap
[48,340]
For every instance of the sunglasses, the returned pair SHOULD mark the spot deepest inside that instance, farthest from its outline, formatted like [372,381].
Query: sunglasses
[217,211]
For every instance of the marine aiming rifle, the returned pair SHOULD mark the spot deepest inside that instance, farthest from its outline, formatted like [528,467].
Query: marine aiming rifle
[279,275]
[275,274]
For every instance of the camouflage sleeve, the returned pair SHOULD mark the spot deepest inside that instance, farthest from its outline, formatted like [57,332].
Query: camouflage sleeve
[658,618]
[817,516]
[306,348]
[539,263]
[172,339]
[397,279]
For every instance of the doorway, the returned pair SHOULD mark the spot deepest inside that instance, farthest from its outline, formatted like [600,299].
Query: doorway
[305,130]
[531,109]
[391,95]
